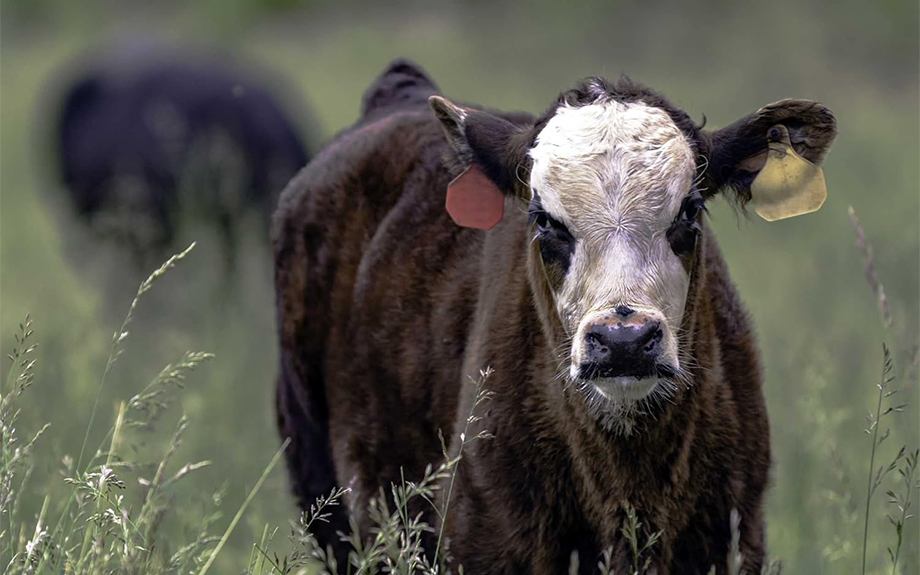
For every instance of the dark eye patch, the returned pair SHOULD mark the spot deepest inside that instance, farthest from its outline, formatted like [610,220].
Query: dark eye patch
[686,226]
[556,244]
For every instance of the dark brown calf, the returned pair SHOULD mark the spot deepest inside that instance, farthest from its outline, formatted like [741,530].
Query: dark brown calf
[386,307]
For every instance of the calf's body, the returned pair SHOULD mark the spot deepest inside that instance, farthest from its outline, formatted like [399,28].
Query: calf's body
[386,308]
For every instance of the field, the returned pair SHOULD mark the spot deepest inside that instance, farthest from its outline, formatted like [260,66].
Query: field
[821,326]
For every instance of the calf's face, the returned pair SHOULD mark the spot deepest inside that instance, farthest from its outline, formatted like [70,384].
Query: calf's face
[614,179]
[612,207]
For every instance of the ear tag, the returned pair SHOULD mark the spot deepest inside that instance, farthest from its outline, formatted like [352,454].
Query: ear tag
[473,201]
[788,185]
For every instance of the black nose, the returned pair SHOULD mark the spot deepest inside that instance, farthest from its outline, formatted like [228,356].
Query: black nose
[621,349]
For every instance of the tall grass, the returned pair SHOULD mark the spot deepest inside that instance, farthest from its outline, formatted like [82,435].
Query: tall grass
[112,518]
[905,463]
[111,521]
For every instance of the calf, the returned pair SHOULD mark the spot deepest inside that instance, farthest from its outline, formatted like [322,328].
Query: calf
[149,136]
[624,364]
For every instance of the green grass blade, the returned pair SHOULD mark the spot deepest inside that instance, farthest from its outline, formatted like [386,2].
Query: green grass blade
[242,509]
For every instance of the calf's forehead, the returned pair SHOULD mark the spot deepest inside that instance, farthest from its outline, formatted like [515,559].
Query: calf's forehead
[613,160]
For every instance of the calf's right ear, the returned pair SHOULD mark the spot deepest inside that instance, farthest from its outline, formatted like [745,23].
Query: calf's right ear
[491,152]
[772,157]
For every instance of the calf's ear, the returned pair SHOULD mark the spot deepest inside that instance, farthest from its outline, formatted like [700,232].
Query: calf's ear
[771,158]
[491,153]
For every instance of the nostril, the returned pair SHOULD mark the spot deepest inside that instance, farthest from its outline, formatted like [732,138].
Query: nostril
[655,338]
[594,342]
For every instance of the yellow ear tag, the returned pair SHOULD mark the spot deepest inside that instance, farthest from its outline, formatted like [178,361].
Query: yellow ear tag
[788,185]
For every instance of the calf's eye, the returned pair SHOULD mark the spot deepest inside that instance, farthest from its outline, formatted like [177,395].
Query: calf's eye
[546,224]
[685,227]
[690,207]
[554,241]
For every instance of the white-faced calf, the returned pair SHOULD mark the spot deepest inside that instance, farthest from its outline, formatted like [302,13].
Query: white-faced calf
[624,364]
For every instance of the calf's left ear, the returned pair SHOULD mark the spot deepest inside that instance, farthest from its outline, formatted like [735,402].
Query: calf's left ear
[489,151]
[772,158]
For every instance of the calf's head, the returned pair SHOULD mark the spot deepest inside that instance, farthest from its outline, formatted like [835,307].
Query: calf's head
[615,180]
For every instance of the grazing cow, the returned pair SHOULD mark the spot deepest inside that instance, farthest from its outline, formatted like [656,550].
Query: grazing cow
[148,137]
[624,364]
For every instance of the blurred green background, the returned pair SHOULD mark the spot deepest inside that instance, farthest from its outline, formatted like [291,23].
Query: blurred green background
[818,322]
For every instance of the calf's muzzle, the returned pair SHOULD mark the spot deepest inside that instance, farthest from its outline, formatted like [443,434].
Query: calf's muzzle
[619,346]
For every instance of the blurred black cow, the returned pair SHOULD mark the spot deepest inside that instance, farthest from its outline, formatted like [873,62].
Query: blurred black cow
[148,139]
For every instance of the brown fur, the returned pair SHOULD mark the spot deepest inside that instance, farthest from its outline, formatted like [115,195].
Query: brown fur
[385,307]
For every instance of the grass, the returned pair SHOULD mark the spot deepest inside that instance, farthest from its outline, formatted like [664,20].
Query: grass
[105,527]
[99,529]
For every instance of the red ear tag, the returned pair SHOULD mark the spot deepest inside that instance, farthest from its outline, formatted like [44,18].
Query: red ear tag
[473,201]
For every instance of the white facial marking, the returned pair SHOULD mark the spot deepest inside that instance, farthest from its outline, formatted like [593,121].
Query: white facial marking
[615,174]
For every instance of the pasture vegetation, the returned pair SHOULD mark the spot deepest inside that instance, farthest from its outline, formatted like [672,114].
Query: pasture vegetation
[146,469]
[104,526]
